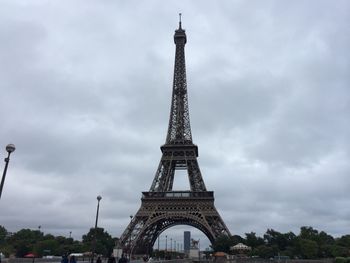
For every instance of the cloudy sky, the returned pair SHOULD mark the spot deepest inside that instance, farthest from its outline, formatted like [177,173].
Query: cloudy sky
[85,97]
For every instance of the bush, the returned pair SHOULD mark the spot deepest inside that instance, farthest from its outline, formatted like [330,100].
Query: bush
[340,260]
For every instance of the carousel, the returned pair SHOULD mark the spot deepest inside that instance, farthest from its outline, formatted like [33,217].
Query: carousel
[240,250]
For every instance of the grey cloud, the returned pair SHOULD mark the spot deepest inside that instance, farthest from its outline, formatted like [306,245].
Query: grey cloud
[86,97]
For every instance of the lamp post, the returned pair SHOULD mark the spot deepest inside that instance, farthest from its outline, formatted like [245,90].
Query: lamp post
[10,148]
[199,250]
[158,247]
[95,231]
[166,243]
[130,238]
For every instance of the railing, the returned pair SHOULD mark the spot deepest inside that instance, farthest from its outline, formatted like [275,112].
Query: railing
[178,194]
[81,260]
[185,260]
[224,260]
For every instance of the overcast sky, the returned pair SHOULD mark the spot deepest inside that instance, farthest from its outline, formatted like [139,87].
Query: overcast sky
[85,97]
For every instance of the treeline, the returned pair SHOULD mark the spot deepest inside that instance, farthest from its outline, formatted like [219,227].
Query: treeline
[28,241]
[308,244]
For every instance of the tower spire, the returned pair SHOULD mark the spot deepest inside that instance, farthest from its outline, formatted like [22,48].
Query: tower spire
[180,21]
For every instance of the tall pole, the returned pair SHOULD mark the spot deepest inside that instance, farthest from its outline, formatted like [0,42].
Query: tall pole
[130,239]
[10,148]
[95,230]
[199,250]
[158,246]
[166,243]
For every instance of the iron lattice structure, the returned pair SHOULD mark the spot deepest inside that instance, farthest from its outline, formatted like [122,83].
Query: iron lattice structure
[162,207]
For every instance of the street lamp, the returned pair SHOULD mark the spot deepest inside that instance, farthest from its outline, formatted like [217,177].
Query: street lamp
[158,246]
[95,232]
[130,238]
[199,250]
[166,243]
[10,148]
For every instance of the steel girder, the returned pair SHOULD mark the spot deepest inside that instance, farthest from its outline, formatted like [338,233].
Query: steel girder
[158,214]
[182,157]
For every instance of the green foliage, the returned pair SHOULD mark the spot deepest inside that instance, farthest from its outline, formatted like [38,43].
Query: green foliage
[235,239]
[343,241]
[340,260]
[3,235]
[265,251]
[308,248]
[282,241]
[104,241]
[222,243]
[340,251]
[308,233]
[253,241]
[33,241]
[309,244]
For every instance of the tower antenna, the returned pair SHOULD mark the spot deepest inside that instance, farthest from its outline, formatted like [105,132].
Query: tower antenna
[180,20]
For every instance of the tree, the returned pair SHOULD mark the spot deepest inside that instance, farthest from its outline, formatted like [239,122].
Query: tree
[274,238]
[104,241]
[3,235]
[308,248]
[264,251]
[253,241]
[340,251]
[307,232]
[223,244]
[46,247]
[24,240]
[235,239]
[343,241]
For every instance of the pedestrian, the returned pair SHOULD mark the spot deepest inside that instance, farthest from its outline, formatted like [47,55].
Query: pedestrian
[72,259]
[111,259]
[98,260]
[123,259]
[64,259]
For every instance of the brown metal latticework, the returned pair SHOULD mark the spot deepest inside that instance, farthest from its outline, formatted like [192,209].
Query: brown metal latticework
[162,207]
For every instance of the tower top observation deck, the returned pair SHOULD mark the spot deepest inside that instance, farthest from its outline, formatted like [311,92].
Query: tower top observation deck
[180,35]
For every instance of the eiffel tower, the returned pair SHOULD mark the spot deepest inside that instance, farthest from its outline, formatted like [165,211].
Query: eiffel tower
[161,207]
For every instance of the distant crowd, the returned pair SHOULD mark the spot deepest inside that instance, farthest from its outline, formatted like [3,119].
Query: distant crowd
[111,259]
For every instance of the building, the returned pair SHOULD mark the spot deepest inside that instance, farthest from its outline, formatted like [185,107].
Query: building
[187,241]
